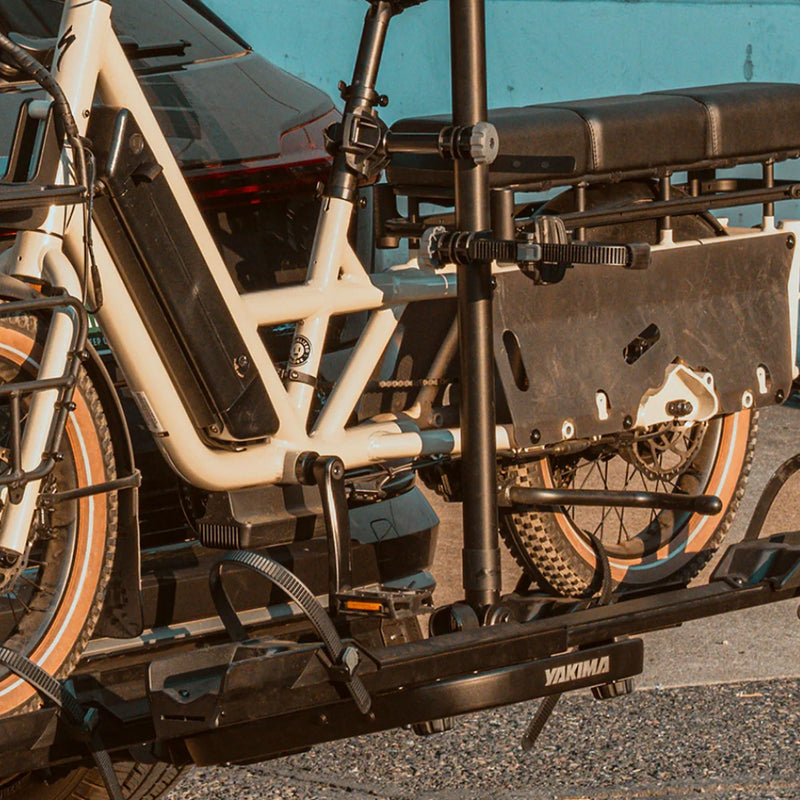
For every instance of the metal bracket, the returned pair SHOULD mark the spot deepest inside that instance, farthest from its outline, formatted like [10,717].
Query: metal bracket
[775,561]
[17,478]
[545,262]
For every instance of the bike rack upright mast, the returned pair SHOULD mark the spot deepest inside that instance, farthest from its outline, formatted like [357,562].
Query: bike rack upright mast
[481,554]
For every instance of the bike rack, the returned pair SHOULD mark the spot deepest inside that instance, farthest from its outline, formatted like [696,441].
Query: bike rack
[258,698]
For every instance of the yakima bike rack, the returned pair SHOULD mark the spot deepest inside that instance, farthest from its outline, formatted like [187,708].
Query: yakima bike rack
[258,698]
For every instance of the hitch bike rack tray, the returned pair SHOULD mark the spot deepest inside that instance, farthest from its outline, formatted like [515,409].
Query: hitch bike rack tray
[216,701]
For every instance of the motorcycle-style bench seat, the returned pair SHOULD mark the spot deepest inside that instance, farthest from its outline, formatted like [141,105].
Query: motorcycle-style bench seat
[629,135]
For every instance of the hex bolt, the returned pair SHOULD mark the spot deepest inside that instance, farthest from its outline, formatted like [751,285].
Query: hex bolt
[241,365]
[536,436]
[779,396]
[790,241]
[679,408]
[627,422]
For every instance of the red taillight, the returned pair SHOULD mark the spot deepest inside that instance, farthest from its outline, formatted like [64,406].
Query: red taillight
[301,164]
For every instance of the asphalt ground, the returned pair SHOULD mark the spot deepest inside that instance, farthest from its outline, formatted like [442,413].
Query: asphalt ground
[715,713]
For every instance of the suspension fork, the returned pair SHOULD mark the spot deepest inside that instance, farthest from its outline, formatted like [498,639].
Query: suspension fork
[39,255]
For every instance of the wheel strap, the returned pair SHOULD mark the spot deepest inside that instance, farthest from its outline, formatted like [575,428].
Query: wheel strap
[344,658]
[81,720]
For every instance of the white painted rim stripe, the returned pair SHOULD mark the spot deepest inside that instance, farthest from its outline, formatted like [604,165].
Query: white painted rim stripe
[25,359]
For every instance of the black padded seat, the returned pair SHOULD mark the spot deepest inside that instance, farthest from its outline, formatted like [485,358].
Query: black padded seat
[636,135]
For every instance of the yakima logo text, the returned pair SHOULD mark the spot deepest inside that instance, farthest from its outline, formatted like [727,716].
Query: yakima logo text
[575,672]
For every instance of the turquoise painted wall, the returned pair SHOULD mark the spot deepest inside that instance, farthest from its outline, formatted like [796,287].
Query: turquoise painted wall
[538,50]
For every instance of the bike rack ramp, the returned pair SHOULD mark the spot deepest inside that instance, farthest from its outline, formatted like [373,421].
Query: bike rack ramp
[256,699]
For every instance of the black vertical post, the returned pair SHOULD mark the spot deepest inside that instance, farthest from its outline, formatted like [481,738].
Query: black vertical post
[481,554]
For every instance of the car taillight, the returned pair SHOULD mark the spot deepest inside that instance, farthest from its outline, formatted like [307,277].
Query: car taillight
[300,165]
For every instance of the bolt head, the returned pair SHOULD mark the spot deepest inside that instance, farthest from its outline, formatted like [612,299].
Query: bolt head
[136,143]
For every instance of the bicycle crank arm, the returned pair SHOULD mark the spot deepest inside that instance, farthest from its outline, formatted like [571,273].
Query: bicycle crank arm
[528,496]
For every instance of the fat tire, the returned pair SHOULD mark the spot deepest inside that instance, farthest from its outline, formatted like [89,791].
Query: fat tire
[88,426]
[538,543]
[138,781]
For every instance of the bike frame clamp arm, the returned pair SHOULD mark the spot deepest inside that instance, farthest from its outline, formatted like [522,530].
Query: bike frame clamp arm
[533,496]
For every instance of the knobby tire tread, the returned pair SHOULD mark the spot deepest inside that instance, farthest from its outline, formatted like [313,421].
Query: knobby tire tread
[557,568]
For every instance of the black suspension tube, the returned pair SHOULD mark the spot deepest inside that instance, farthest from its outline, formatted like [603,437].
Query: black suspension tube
[481,553]
[343,182]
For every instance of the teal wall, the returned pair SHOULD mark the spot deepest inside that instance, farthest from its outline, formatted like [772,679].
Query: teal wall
[538,50]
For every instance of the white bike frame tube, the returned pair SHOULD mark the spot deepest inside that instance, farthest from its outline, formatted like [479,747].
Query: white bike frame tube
[327,258]
[350,385]
[406,283]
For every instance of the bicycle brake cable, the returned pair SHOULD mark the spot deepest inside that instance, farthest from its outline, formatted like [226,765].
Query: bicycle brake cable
[30,65]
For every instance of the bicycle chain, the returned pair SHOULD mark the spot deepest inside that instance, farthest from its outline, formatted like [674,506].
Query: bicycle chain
[417,383]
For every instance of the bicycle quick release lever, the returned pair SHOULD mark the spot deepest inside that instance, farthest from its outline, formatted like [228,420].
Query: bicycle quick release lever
[544,254]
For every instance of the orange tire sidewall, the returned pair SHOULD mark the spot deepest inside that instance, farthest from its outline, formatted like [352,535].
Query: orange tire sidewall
[695,535]
[88,560]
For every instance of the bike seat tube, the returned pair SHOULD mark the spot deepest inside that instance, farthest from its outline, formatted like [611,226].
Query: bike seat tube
[361,95]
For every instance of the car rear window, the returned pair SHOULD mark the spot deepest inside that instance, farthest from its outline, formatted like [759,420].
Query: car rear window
[148,23]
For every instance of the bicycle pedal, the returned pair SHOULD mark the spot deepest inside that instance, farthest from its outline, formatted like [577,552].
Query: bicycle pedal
[385,602]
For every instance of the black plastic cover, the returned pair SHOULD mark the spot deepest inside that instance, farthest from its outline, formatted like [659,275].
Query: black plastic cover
[177,272]
[721,307]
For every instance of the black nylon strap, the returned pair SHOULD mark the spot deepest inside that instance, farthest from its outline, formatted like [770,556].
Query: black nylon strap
[301,594]
[66,702]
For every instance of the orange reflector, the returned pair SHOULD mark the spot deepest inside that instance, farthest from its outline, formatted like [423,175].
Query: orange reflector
[363,605]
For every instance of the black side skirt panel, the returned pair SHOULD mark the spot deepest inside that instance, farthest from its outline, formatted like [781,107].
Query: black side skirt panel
[721,306]
[178,277]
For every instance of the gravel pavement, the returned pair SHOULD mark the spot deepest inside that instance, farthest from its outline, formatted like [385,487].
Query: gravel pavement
[724,742]
[717,717]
